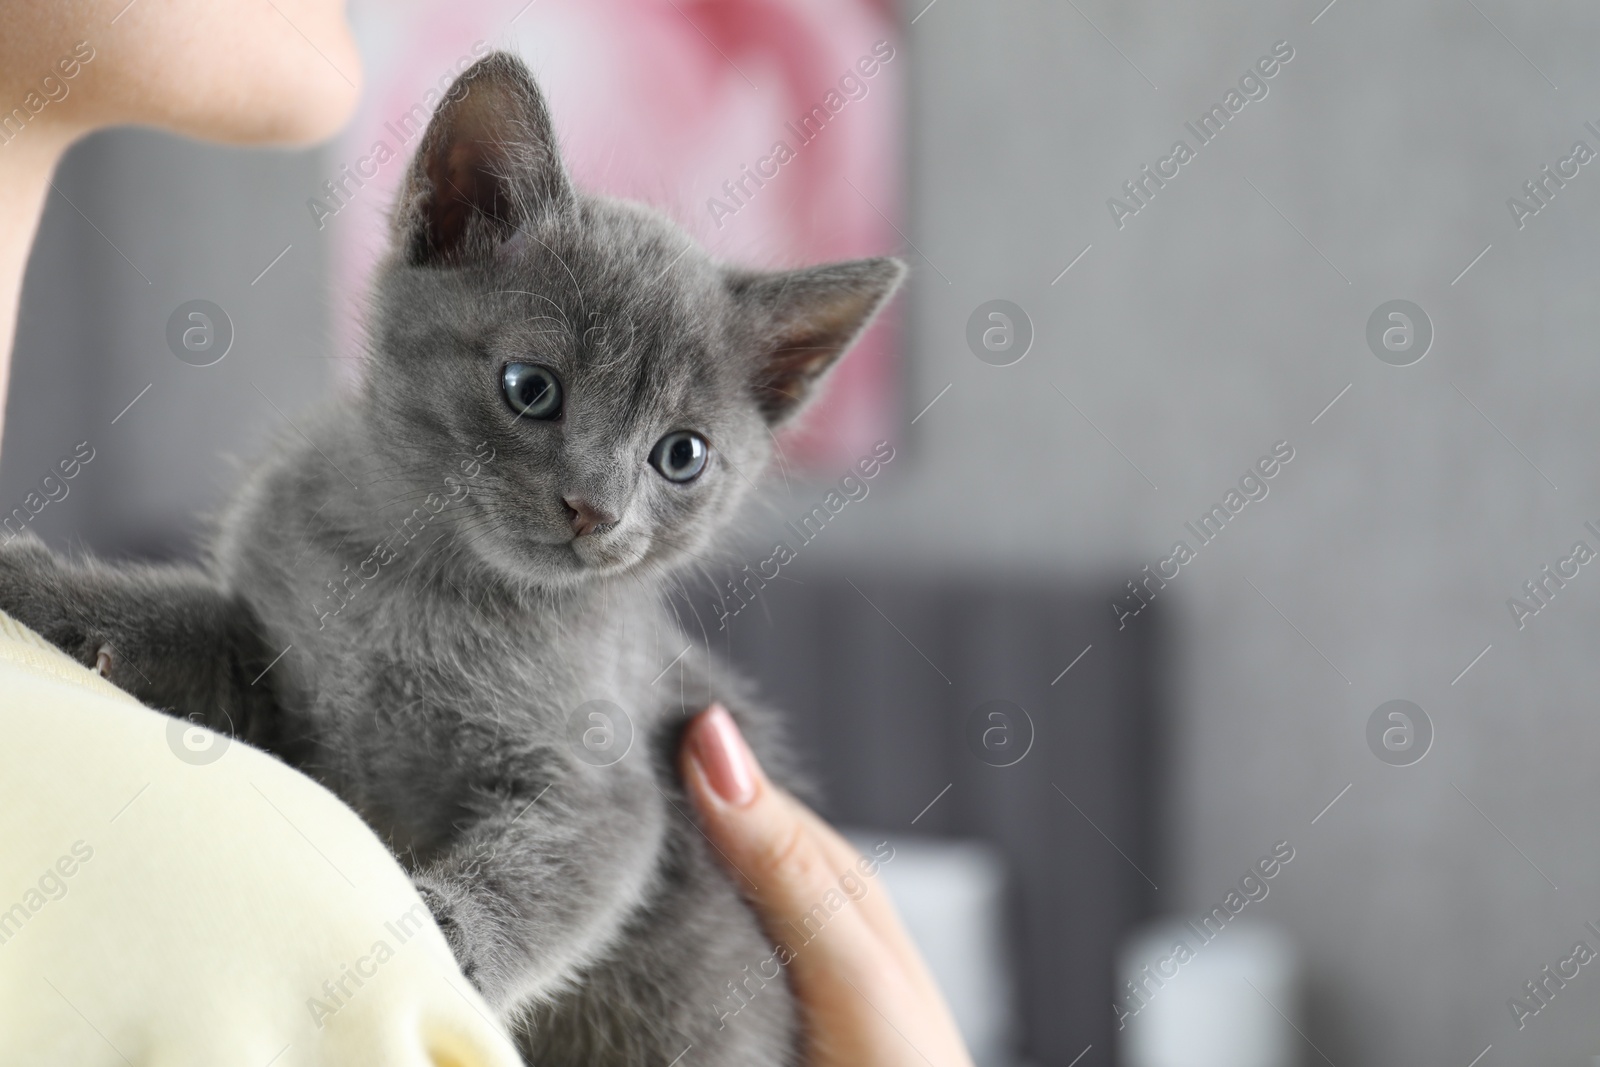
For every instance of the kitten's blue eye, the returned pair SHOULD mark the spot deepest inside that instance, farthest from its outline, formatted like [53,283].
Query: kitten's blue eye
[532,391]
[680,456]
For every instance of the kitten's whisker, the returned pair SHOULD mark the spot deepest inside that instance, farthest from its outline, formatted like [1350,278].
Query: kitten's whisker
[421,492]
[704,635]
[783,459]
[687,552]
[523,292]
[582,304]
[741,474]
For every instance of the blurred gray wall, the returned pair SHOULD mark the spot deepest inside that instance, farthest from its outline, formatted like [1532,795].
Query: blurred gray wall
[1222,318]
[140,223]
[1207,329]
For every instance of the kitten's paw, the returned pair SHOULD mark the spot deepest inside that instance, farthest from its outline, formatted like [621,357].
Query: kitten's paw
[24,555]
[40,590]
[32,581]
[457,917]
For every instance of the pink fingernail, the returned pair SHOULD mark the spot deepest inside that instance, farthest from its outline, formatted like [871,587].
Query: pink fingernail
[720,750]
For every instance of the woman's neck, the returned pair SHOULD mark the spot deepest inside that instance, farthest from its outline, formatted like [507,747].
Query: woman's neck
[26,164]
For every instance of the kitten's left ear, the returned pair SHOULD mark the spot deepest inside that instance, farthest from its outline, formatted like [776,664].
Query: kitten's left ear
[487,163]
[802,321]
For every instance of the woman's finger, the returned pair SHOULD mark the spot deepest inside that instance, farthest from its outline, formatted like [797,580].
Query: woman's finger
[853,966]
[791,859]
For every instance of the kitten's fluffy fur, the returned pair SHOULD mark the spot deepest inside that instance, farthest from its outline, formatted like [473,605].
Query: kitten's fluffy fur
[446,619]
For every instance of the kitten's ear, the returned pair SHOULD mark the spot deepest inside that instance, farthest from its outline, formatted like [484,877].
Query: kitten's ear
[802,321]
[487,164]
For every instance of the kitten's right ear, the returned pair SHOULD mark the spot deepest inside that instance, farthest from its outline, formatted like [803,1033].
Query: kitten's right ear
[488,163]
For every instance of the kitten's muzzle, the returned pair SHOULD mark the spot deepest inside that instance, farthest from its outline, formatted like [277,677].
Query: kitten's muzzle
[585,518]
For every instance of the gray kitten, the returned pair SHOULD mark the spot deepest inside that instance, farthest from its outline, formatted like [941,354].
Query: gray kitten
[439,600]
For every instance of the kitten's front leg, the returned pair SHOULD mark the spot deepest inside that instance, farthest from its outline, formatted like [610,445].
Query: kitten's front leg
[542,883]
[167,635]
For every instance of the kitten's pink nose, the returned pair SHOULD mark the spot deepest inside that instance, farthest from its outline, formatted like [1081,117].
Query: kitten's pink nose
[585,517]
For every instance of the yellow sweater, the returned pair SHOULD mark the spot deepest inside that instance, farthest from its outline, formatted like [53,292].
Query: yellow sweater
[170,898]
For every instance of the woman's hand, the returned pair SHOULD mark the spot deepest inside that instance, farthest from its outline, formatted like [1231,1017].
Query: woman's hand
[865,994]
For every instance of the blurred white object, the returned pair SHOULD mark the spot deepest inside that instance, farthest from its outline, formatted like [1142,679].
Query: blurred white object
[950,894]
[1226,1002]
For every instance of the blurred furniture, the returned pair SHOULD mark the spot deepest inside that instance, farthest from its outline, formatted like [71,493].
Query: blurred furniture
[1235,1003]
[880,675]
